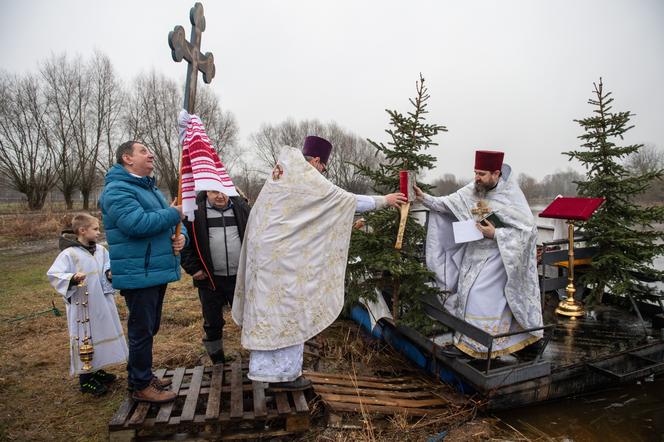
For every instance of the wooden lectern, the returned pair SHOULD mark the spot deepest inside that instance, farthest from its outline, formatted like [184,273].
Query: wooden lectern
[571,209]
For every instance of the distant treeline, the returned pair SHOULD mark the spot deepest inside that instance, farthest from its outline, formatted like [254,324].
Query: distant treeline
[648,158]
[60,126]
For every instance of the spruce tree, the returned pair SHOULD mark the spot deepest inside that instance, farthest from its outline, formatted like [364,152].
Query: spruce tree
[401,272]
[623,231]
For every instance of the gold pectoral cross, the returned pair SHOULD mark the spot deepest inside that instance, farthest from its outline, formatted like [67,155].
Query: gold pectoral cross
[481,209]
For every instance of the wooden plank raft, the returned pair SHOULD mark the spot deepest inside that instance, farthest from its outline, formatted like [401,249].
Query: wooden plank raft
[388,396]
[219,401]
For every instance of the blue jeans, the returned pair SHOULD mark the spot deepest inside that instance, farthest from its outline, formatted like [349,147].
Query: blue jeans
[144,307]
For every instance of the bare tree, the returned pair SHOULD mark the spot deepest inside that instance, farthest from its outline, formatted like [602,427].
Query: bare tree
[109,102]
[132,114]
[26,155]
[99,106]
[560,183]
[529,186]
[647,159]
[248,181]
[266,145]
[221,126]
[349,149]
[268,140]
[446,185]
[62,83]
[151,116]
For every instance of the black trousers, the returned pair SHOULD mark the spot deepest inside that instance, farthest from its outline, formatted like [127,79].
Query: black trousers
[212,303]
[144,307]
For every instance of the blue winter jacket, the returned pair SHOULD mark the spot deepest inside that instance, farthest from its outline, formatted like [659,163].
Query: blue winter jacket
[139,224]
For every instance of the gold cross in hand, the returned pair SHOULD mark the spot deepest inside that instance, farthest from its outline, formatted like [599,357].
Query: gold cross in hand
[481,209]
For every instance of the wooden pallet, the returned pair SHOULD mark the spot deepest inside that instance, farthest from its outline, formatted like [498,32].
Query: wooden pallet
[218,401]
[388,396]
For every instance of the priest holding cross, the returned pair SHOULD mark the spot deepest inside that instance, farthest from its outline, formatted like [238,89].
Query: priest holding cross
[493,280]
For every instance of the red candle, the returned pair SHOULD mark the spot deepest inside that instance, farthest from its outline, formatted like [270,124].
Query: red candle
[403,182]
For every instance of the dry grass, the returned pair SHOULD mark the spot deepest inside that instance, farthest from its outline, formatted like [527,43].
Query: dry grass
[347,349]
[41,402]
[21,227]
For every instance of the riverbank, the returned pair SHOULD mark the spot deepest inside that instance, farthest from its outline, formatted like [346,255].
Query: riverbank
[41,402]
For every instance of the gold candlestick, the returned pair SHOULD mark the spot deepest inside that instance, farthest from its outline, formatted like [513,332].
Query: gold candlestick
[570,307]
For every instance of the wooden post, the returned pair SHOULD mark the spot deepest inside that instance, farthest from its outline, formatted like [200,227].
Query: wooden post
[196,61]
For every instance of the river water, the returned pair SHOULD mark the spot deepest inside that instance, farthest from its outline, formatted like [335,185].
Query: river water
[630,413]
[633,412]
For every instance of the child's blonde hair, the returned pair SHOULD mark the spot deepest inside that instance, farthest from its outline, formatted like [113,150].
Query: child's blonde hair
[82,221]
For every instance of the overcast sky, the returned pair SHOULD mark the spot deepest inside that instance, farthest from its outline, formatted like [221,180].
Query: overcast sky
[508,75]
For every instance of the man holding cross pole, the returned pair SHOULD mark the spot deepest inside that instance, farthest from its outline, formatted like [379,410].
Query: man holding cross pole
[140,229]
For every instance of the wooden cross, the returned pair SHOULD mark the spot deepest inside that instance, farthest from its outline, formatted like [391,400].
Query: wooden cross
[481,209]
[190,51]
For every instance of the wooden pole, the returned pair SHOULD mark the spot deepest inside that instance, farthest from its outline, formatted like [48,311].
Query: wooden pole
[178,229]
[402,225]
[196,61]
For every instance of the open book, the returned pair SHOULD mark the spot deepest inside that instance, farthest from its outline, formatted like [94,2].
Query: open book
[467,231]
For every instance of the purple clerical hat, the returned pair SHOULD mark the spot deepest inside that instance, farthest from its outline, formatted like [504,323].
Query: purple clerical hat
[317,147]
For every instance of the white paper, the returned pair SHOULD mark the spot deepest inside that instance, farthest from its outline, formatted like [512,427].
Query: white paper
[466,231]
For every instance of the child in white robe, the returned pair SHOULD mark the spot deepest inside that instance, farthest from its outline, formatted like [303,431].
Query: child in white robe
[84,266]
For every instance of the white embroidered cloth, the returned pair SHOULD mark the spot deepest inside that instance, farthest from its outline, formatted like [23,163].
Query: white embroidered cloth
[281,365]
[201,167]
[290,280]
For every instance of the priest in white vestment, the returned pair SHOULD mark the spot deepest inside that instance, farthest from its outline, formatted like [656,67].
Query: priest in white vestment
[290,278]
[493,280]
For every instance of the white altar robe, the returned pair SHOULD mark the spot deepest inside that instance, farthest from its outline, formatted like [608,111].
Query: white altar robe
[493,282]
[283,299]
[285,364]
[290,280]
[110,346]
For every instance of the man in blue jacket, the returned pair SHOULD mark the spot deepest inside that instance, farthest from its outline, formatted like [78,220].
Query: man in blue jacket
[140,229]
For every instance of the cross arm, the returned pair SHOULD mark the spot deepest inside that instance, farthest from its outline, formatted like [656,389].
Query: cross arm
[182,49]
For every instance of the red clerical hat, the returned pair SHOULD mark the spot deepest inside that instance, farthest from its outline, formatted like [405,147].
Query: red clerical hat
[317,147]
[488,160]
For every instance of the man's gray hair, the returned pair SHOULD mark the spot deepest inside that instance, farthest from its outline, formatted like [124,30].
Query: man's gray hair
[125,148]
[307,157]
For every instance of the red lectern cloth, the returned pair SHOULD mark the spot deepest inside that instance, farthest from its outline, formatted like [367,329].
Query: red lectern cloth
[579,209]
